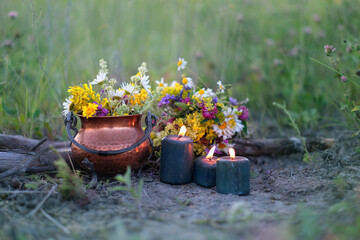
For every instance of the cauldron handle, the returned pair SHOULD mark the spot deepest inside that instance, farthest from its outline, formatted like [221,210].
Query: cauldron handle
[70,122]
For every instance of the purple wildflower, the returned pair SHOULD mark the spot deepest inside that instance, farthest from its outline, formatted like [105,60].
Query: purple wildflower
[294,51]
[13,14]
[316,18]
[102,92]
[343,78]
[277,62]
[307,30]
[8,43]
[233,101]
[209,114]
[166,100]
[329,49]
[244,113]
[215,99]
[198,55]
[101,111]
[185,100]
[240,18]
[321,34]
[269,42]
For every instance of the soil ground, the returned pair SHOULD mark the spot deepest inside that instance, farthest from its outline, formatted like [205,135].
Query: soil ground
[279,184]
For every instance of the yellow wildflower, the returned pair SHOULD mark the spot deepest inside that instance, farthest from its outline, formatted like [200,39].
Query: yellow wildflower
[89,110]
[172,90]
[139,98]
[82,96]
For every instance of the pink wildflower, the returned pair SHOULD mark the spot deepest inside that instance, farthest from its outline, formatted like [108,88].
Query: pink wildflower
[329,49]
[244,113]
[209,114]
[13,14]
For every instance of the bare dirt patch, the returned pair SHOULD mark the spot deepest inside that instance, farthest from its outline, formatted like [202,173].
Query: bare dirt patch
[278,185]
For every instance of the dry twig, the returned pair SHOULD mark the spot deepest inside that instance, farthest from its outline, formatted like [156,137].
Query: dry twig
[42,201]
[59,225]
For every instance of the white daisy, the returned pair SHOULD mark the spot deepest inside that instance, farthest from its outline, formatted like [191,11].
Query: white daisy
[209,93]
[66,106]
[188,82]
[173,84]
[181,64]
[118,93]
[99,78]
[224,146]
[204,93]
[145,83]
[230,125]
[161,83]
[129,88]
[231,117]
[221,86]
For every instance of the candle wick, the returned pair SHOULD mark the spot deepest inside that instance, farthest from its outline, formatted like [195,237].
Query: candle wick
[179,136]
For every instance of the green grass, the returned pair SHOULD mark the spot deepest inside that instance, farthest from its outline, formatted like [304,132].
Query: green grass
[59,43]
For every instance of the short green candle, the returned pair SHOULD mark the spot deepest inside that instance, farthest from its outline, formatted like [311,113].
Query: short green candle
[233,175]
[205,171]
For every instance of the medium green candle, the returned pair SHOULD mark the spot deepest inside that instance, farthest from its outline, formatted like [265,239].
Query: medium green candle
[233,174]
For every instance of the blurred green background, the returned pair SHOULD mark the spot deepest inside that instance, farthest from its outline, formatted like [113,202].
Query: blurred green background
[261,47]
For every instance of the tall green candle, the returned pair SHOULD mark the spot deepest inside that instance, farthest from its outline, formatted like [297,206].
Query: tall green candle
[176,162]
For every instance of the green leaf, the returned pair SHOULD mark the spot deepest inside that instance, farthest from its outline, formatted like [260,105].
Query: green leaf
[181,105]
[245,126]
[357,150]
[356,108]
[36,113]
[119,188]
[217,120]
[8,110]
[204,121]
[356,133]
[253,174]
[140,188]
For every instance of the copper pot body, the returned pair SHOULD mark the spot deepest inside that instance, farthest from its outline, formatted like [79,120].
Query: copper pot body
[111,133]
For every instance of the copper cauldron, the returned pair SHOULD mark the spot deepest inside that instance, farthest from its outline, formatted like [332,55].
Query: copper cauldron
[111,143]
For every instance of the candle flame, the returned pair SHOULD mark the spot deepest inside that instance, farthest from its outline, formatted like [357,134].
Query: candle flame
[182,131]
[232,153]
[211,153]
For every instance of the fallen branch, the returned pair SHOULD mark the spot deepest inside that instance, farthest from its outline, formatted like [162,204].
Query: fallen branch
[278,146]
[21,168]
[20,142]
[15,151]
[21,192]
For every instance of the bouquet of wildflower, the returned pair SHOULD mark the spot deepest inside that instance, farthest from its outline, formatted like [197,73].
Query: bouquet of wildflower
[107,100]
[211,117]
